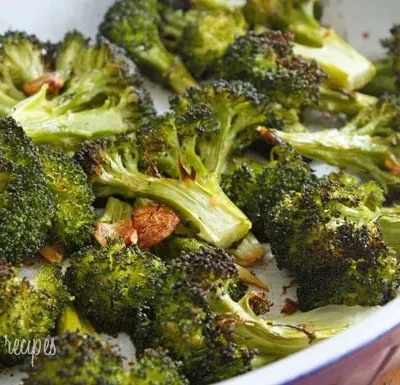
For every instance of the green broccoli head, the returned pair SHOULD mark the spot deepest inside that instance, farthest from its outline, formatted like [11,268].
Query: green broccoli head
[78,359]
[324,225]
[156,368]
[361,282]
[221,117]
[111,284]
[206,37]
[257,188]
[186,325]
[100,95]
[74,219]
[26,202]
[133,26]
[29,309]
[267,61]
[177,159]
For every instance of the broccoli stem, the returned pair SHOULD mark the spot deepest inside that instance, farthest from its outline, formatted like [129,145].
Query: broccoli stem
[389,222]
[345,149]
[384,81]
[40,122]
[339,101]
[203,206]
[173,71]
[278,338]
[346,68]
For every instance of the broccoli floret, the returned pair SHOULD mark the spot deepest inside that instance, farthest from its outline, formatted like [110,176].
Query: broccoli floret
[205,39]
[113,284]
[267,61]
[387,78]
[133,25]
[98,94]
[346,68]
[29,309]
[367,143]
[74,217]
[216,337]
[256,188]
[180,157]
[156,368]
[334,246]
[26,202]
[78,359]
[22,60]
[87,359]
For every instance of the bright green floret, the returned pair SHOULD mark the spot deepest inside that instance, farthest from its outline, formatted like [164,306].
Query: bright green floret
[113,284]
[74,218]
[29,309]
[346,68]
[26,202]
[180,156]
[84,92]
[133,25]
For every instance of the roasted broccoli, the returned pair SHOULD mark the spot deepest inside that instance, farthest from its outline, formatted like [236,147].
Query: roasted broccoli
[266,59]
[84,92]
[216,337]
[22,61]
[367,143]
[26,202]
[205,39]
[29,310]
[77,359]
[74,218]
[177,159]
[346,68]
[133,25]
[112,285]
[256,187]
[86,359]
[387,78]
[333,244]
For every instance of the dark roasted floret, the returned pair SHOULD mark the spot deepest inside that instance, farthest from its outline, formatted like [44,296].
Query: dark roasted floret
[346,68]
[29,309]
[214,336]
[256,188]
[26,203]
